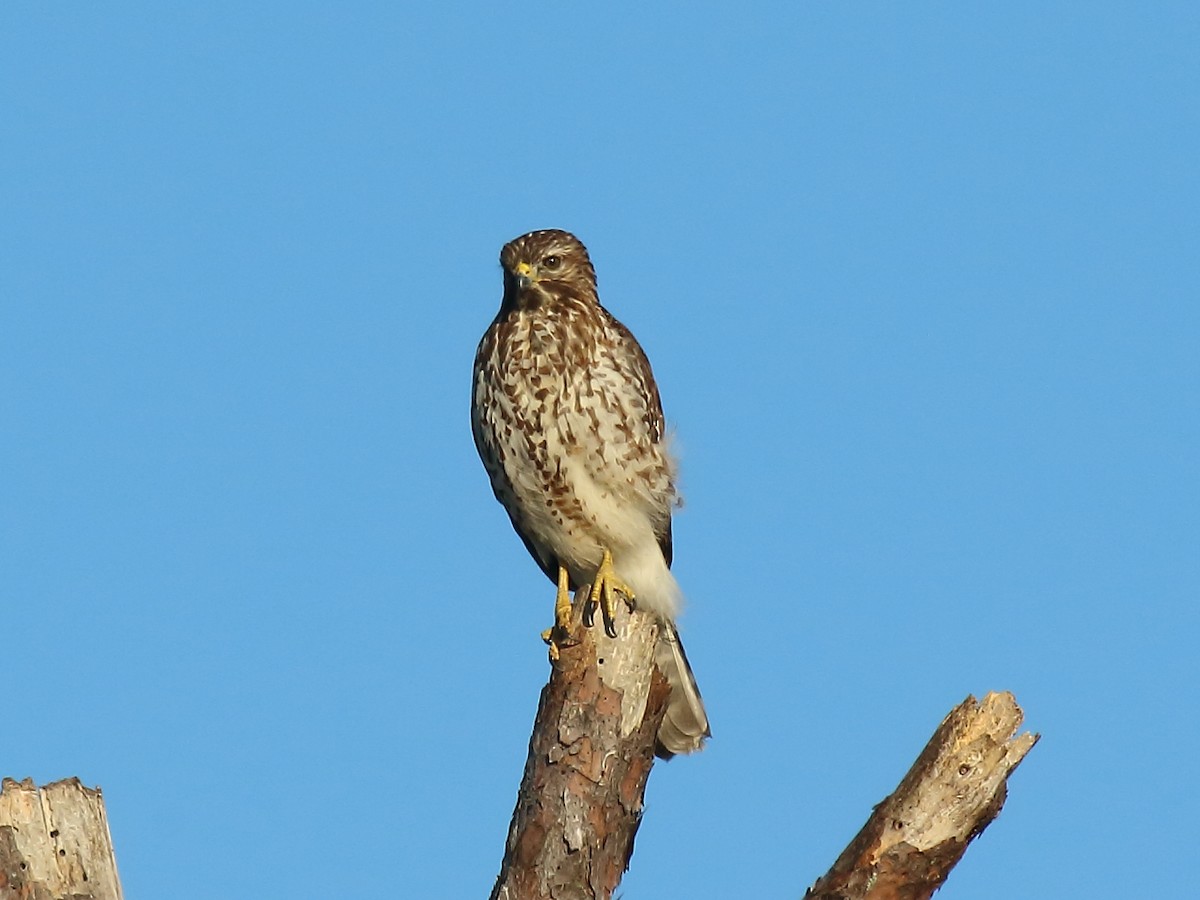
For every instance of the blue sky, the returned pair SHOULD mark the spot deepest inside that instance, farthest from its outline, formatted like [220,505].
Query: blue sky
[919,283]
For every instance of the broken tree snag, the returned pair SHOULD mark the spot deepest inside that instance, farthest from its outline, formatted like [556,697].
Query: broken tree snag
[591,751]
[54,842]
[950,795]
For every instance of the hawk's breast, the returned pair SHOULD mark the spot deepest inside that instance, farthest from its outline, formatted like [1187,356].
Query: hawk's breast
[564,426]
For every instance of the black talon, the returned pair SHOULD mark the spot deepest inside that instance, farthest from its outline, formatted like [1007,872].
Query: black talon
[610,627]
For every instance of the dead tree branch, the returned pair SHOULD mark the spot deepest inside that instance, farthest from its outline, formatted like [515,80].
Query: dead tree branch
[592,748]
[591,752]
[950,795]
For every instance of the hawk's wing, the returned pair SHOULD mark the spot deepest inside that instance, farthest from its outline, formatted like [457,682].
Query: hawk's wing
[493,460]
[653,419]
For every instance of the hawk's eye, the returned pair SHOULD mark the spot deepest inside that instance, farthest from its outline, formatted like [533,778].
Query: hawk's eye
[552,262]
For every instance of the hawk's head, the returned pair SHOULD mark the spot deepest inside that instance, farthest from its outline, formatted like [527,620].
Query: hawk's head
[544,264]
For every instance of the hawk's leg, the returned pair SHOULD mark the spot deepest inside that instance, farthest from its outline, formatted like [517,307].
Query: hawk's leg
[562,614]
[603,593]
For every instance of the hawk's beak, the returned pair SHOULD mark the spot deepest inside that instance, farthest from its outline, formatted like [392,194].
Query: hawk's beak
[524,275]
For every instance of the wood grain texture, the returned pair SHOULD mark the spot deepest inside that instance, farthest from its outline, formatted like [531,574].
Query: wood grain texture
[591,752]
[950,795]
[55,843]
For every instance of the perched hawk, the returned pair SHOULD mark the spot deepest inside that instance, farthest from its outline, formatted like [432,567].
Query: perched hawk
[569,425]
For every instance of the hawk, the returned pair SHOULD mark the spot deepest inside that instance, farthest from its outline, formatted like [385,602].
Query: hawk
[568,422]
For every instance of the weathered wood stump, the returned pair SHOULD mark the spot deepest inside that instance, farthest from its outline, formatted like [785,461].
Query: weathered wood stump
[55,843]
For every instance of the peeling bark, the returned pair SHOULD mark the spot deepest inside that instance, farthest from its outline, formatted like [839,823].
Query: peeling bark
[592,749]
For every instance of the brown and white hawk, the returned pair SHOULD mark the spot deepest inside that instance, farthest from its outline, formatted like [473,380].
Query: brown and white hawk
[569,425]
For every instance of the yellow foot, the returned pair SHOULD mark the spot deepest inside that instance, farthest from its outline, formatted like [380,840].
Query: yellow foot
[603,593]
[559,634]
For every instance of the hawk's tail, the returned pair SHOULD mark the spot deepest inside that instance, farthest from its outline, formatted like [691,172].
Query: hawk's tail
[685,726]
